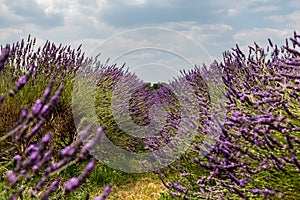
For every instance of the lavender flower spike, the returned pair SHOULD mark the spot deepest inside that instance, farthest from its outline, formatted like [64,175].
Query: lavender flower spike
[4,56]
[105,193]
[71,185]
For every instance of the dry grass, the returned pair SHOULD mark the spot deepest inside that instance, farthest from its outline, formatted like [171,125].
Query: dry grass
[148,188]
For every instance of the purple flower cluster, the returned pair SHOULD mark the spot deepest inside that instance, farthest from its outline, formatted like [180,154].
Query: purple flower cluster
[36,168]
[4,56]
[38,160]
[260,133]
[75,182]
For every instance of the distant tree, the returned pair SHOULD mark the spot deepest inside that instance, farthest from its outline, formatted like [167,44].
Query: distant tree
[156,86]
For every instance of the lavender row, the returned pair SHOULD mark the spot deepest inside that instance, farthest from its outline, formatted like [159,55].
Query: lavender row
[260,133]
[36,168]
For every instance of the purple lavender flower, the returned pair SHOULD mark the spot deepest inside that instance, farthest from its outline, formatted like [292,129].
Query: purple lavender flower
[17,158]
[105,193]
[4,56]
[46,139]
[53,188]
[90,166]
[10,176]
[71,184]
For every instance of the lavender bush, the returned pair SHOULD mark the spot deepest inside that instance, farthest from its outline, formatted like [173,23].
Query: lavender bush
[257,154]
[33,84]
[48,65]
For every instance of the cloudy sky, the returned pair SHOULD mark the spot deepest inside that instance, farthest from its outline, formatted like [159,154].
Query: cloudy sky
[192,31]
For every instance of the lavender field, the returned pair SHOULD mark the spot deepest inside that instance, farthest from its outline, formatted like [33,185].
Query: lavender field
[256,154]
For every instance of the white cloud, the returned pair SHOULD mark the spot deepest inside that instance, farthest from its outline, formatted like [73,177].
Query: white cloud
[265,9]
[199,32]
[289,22]
[7,14]
[165,3]
[235,8]
[247,38]
[136,2]
[235,11]
[53,6]
[294,3]
[262,1]
[10,33]
[211,37]
[291,19]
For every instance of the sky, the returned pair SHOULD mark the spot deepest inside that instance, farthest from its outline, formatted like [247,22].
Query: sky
[155,38]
